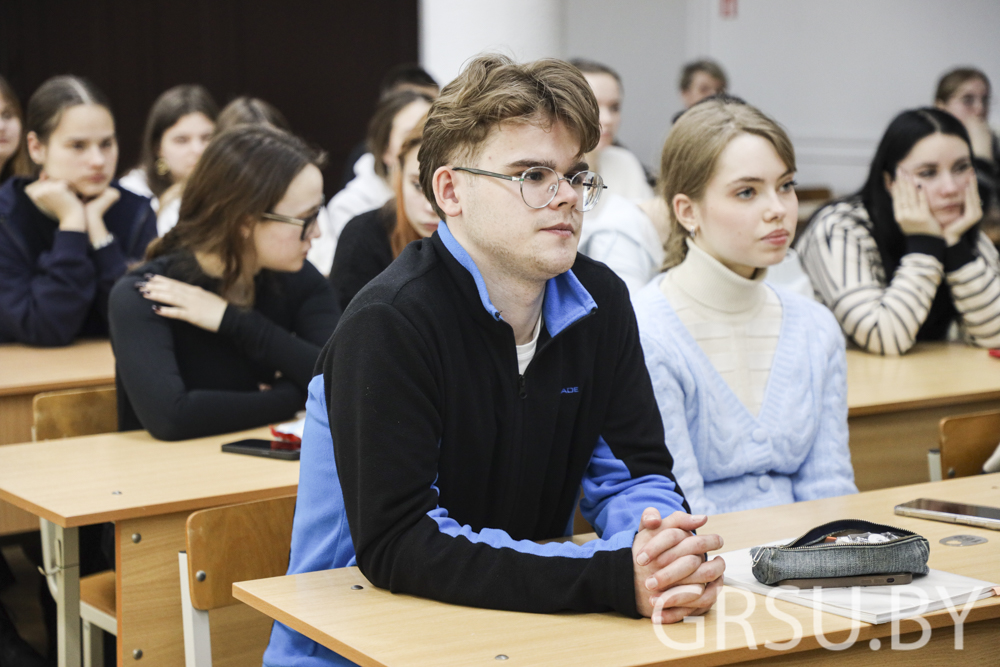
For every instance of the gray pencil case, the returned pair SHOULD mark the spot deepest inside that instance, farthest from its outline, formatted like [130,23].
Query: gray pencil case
[813,556]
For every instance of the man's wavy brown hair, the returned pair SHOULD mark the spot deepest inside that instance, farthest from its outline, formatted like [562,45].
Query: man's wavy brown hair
[493,89]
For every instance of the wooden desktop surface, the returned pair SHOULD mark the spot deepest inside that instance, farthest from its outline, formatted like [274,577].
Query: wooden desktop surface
[373,627]
[148,488]
[930,375]
[114,476]
[26,371]
[896,403]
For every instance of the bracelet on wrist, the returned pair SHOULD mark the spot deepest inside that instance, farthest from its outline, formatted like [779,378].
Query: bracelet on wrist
[104,243]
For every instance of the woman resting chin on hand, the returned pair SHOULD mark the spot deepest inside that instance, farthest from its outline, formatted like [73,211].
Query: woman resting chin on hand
[219,331]
[904,259]
[70,231]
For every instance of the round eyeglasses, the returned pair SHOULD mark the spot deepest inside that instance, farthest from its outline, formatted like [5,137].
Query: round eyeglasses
[539,186]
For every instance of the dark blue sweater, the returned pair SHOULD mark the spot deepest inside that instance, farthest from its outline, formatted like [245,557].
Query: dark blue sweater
[53,286]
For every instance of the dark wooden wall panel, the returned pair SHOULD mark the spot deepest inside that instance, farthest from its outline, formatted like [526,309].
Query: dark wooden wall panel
[319,61]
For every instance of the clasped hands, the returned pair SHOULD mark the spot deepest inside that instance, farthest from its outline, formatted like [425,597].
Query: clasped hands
[670,566]
[914,215]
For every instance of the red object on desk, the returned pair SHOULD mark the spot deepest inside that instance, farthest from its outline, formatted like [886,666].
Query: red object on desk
[292,441]
[995,353]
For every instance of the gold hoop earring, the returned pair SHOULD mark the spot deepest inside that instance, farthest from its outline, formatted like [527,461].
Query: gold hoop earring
[161,167]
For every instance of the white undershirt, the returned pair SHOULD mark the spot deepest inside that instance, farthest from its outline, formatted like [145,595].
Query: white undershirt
[527,351]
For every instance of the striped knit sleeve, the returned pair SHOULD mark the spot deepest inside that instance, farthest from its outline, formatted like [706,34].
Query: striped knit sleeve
[975,288]
[845,267]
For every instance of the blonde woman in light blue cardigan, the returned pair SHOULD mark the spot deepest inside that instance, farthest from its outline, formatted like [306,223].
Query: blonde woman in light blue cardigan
[750,380]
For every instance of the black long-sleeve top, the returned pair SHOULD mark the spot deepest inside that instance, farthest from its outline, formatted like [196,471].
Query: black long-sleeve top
[53,286]
[179,381]
[363,251]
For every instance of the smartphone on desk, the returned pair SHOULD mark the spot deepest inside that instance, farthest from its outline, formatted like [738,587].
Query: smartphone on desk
[275,449]
[943,510]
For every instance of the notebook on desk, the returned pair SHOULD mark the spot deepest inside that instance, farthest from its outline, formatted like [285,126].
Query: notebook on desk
[871,604]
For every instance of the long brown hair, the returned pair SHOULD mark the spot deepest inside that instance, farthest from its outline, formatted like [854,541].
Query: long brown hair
[169,108]
[380,125]
[692,150]
[403,233]
[18,164]
[243,173]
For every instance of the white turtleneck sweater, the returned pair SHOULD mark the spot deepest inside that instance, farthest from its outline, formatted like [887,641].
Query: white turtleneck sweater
[713,342]
[735,321]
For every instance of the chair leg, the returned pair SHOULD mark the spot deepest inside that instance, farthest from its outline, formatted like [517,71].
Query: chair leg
[197,636]
[934,464]
[93,645]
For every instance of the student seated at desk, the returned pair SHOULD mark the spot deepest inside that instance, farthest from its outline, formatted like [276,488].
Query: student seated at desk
[904,260]
[394,118]
[750,379]
[965,93]
[700,80]
[372,240]
[220,330]
[624,174]
[180,125]
[617,232]
[475,384]
[67,235]
[13,152]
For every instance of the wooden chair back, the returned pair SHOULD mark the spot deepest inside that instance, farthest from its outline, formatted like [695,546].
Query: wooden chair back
[73,412]
[966,441]
[236,543]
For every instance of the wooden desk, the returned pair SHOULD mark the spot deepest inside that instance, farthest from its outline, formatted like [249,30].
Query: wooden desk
[373,627]
[148,488]
[26,371]
[895,404]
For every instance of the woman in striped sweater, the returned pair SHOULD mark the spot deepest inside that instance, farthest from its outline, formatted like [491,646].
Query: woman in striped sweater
[903,260]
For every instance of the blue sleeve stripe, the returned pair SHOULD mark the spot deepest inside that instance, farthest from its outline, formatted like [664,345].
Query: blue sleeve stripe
[499,539]
[321,535]
[613,500]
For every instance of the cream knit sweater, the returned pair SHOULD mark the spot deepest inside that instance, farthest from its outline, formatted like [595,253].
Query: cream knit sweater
[735,321]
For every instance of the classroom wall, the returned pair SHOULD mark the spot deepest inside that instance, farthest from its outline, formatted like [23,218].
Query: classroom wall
[452,31]
[319,62]
[834,72]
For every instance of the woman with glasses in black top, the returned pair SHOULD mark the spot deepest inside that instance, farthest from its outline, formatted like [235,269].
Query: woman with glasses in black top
[219,331]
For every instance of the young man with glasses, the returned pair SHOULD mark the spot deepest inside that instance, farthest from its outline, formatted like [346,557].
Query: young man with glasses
[487,375]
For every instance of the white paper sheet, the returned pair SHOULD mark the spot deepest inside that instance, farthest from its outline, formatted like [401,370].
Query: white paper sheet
[871,604]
